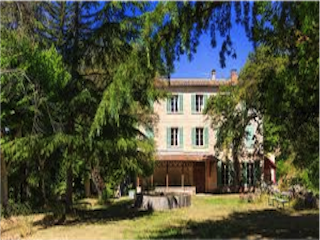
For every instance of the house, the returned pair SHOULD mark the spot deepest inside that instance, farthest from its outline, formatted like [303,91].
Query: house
[186,159]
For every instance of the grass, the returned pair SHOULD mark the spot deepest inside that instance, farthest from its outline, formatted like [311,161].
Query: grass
[210,216]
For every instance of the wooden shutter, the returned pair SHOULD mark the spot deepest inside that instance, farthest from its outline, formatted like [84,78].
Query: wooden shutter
[193,136]
[168,137]
[168,105]
[219,182]
[180,99]
[193,103]
[181,137]
[206,137]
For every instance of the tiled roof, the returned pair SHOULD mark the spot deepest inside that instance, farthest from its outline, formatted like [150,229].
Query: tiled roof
[195,82]
[184,157]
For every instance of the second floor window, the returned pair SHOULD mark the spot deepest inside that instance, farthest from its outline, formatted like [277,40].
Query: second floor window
[199,103]
[199,136]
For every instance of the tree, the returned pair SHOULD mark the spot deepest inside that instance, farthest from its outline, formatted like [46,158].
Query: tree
[28,99]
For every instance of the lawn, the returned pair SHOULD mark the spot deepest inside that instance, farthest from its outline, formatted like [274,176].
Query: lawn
[210,216]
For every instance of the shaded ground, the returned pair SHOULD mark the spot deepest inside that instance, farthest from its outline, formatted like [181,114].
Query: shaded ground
[268,223]
[217,216]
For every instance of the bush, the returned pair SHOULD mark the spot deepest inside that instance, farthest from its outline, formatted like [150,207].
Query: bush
[107,194]
[14,209]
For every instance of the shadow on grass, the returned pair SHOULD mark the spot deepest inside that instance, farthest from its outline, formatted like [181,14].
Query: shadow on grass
[258,224]
[114,212]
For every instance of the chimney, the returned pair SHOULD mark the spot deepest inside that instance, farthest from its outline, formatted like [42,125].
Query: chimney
[213,74]
[234,76]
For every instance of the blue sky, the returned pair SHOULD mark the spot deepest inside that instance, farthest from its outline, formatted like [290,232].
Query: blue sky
[207,58]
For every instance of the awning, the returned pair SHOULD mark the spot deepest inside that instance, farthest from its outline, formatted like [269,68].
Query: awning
[269,163]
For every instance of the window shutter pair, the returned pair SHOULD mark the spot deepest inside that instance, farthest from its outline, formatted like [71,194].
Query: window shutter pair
[180,104]
[180,133]
[249,142]
[205,137]
[193,102]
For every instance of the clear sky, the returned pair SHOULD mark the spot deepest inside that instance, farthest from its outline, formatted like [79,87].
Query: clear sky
[207,58]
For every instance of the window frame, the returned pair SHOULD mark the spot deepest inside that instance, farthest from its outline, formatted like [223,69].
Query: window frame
[174,137]
[174,104]
[199,102]
[198,140]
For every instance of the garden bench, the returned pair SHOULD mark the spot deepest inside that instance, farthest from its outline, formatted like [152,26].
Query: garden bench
[280,199]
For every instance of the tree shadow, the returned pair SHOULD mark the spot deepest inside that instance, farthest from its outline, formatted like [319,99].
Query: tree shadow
[257,224]
[114,212]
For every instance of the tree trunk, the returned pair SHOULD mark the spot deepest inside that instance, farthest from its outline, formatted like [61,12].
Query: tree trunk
[87,186]
[4,183]
[42,182]
[68,199]
[236,170]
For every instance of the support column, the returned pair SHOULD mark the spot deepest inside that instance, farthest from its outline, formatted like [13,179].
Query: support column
[167,177]
[182,177]
[138,187]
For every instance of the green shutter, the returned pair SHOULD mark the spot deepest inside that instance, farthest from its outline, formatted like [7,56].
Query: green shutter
[151,102]
[219,173]
[249,139]
[206,137]
[180,103]
[168,137]
[168,105]
[231,173]
[193,103]
[181,137]
[257,172]
[149,133]
[205,99]
[193,136]
[244,173]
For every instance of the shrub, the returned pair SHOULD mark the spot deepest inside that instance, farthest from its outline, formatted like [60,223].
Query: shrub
[14,209]
[107,194]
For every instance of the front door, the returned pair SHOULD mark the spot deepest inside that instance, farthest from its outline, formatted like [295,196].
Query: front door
[199,176]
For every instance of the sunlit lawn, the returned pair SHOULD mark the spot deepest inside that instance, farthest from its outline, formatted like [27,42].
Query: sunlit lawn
[215,216]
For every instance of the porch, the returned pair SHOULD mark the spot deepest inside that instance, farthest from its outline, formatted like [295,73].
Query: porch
[181,173]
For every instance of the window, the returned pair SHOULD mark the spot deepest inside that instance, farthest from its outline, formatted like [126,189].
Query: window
[199,103]
[199,136]
[174,137]
[174,103]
